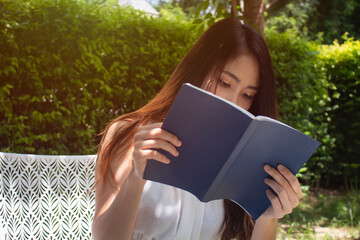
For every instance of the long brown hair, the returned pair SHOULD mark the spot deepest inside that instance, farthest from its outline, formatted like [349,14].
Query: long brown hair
[223,41]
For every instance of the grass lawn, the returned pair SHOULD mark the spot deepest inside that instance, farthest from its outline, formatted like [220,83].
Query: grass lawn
[324,214]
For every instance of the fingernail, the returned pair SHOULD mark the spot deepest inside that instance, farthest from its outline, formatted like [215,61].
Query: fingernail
[179,143]
[281,167]
[266,180]
[267,168]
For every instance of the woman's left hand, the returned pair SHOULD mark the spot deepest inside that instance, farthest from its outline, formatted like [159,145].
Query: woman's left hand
[287,188]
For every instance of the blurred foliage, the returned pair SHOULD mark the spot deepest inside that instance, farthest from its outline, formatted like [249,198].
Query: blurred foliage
[333,18]
[323,20]
[292,16]
[338,209]
[173,14]
[188,7]
[68,67]
[342,64]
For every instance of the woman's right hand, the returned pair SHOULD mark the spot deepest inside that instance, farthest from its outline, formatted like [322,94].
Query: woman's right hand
[148,138]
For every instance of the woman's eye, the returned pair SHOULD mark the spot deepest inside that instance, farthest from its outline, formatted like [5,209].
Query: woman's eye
[247,96]
[223,83]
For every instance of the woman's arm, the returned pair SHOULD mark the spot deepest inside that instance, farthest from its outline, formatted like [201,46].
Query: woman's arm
[116,205]
[116,216]
[265,228]
[288,191]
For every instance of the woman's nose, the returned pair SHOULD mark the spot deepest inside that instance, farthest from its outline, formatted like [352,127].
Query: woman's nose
[238,100]
[234,98]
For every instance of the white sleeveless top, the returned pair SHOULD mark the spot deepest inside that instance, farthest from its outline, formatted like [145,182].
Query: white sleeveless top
[170,213]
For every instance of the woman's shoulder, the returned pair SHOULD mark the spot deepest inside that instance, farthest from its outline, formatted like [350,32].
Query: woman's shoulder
[120,159]
[113,128]
[117,125]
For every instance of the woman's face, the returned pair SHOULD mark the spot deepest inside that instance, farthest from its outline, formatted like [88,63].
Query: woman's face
[239,81]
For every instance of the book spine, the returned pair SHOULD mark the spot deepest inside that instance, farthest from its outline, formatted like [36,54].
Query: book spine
[233,156]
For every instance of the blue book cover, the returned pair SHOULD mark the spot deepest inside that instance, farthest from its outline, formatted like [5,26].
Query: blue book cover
[224,150]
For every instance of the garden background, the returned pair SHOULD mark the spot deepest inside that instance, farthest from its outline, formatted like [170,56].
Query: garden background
[68,67]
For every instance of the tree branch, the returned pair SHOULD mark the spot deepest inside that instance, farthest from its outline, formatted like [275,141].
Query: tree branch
[271,2]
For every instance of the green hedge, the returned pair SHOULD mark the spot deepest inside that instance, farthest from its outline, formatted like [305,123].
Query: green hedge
[319,88]
[342,64]
[304,102]
[68,67]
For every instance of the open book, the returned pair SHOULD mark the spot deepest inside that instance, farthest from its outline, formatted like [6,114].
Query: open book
[224,150]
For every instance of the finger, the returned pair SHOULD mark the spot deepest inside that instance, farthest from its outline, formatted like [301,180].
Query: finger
[291,178]
[153,154]
[152,125]
[282,180]
[158,133]
[145,128]
[281,193]
[275,203]
[158,144]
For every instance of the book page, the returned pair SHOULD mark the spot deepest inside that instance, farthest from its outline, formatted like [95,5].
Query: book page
[249,114]
[269,119]
[269,143]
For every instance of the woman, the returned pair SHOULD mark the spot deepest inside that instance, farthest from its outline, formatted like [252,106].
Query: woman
[232,61]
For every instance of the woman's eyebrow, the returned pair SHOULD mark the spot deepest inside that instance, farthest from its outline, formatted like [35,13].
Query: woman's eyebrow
[233,76]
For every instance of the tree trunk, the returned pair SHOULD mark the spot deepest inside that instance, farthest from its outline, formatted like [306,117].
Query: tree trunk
[234,11]
[254,14]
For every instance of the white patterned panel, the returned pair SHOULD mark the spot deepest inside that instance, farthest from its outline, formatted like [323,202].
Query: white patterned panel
[46,197]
